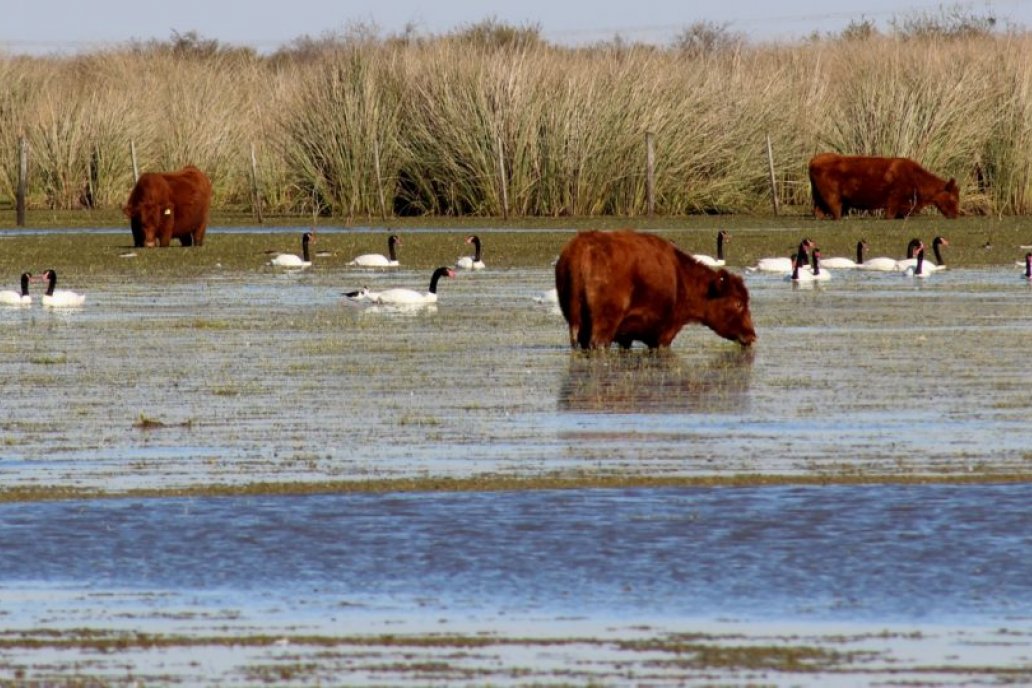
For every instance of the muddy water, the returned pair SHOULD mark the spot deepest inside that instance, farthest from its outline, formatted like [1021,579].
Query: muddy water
[257,375]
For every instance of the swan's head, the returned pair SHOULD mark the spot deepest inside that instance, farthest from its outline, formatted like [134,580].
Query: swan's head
[394,240]
[940,241]
[473,239]
[307,237]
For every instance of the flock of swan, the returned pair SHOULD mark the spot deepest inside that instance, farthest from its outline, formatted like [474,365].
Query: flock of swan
[52,298]
[806,265]
[390,297]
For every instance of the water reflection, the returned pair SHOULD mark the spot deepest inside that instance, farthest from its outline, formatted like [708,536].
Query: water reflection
[657,382]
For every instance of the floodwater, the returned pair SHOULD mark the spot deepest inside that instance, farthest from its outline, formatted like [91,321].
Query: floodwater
[871,382]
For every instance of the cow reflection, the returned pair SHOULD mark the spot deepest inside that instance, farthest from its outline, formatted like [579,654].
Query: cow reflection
[658,382]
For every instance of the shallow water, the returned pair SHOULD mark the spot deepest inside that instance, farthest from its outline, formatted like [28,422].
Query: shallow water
[277,378]
[259,375]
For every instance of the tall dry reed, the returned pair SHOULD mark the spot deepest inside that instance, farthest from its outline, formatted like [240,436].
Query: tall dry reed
[435,126]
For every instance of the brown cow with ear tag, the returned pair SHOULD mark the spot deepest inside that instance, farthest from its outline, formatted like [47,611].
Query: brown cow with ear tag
[628,286]
[169,205]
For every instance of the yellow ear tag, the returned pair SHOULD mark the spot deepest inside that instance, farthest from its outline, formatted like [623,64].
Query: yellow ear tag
[168,211]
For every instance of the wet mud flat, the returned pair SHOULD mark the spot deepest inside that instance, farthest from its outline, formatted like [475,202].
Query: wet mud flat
[878,415]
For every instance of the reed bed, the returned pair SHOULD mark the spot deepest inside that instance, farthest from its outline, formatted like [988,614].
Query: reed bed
[375,127]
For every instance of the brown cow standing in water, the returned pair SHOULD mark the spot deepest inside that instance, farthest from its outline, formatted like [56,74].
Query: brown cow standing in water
[169,205]
[899,186]
[625,286]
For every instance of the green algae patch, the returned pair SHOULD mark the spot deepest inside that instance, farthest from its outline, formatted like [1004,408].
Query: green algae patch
[504,484]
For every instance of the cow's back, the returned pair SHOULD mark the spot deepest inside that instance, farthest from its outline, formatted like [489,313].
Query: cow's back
[190,191]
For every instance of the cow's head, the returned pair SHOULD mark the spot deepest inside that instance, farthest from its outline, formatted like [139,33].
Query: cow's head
[154,220]
[727,308]
[947,200]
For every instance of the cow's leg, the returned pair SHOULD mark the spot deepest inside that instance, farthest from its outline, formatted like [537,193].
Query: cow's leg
[835,206]
[198,235]
[138,236]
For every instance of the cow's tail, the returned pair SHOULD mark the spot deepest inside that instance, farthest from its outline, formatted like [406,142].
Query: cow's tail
[570,288]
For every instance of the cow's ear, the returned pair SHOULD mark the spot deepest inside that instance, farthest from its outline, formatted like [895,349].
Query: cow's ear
[718,285]
[951,185]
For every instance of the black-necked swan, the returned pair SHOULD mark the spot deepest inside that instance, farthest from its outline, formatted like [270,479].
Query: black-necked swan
[9,297]
[886,264]
[1028,266]
[718,262]
[378,260]
[783,265]
[60,298]
[404,297]
[803,273]
[918,268]
[847,263]
[474,262]
[289,260]
[939,263]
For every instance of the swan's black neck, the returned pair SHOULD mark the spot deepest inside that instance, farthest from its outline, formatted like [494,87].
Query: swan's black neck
[920,261]
[25,283]
[475,240]
[1028,265]
[912,248]
[392,242]
[860,246]
[51,282]
[720,245]
[438,273]
[803,253]
[816,258]
[938,256]
[304,246]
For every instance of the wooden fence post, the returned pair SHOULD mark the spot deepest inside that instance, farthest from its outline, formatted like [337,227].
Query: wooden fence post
[255,192]
[379,179]
[501,176]
[136,167]
[23,179]
[650,173]
[773,181]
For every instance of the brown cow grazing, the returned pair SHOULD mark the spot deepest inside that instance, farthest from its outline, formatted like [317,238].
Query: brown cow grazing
[169,205]
[625,286]
[899,186]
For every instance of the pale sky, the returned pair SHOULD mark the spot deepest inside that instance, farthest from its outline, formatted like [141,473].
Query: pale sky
[69,26]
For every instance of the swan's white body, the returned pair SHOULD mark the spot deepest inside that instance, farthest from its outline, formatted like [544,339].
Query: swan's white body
[9,297]
[880,264]
[411,297]
[289,260]
[719,261]
[781,265]
[378,260]
[841,263]
[474,262]
[60,298]
[403,297]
